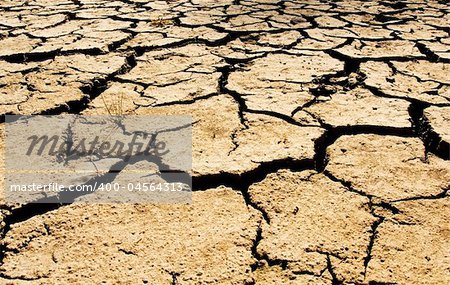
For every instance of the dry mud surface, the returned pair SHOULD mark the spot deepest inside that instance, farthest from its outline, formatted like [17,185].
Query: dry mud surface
[320,143]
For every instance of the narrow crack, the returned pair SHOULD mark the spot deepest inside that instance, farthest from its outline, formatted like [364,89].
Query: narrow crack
[223,81]
[443,194]
[373,237]
[334,279]
[174,276]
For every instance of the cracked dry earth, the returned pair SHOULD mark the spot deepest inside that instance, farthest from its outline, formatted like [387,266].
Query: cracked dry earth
[320,142]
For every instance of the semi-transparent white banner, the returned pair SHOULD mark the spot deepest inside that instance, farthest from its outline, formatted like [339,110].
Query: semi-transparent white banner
[101,159]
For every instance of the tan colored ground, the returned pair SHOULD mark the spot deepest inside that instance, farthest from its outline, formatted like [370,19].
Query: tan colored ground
[320,144]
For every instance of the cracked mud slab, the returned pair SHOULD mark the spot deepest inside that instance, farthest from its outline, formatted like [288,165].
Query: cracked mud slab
[273,84]
[413,245]
[385,78]
[304,236]
[388,168]
[320,139]
[210,242]
[380,49]
[361,107]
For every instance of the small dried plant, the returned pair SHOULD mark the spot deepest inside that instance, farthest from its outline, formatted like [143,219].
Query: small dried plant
[115,108]
[160,22]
